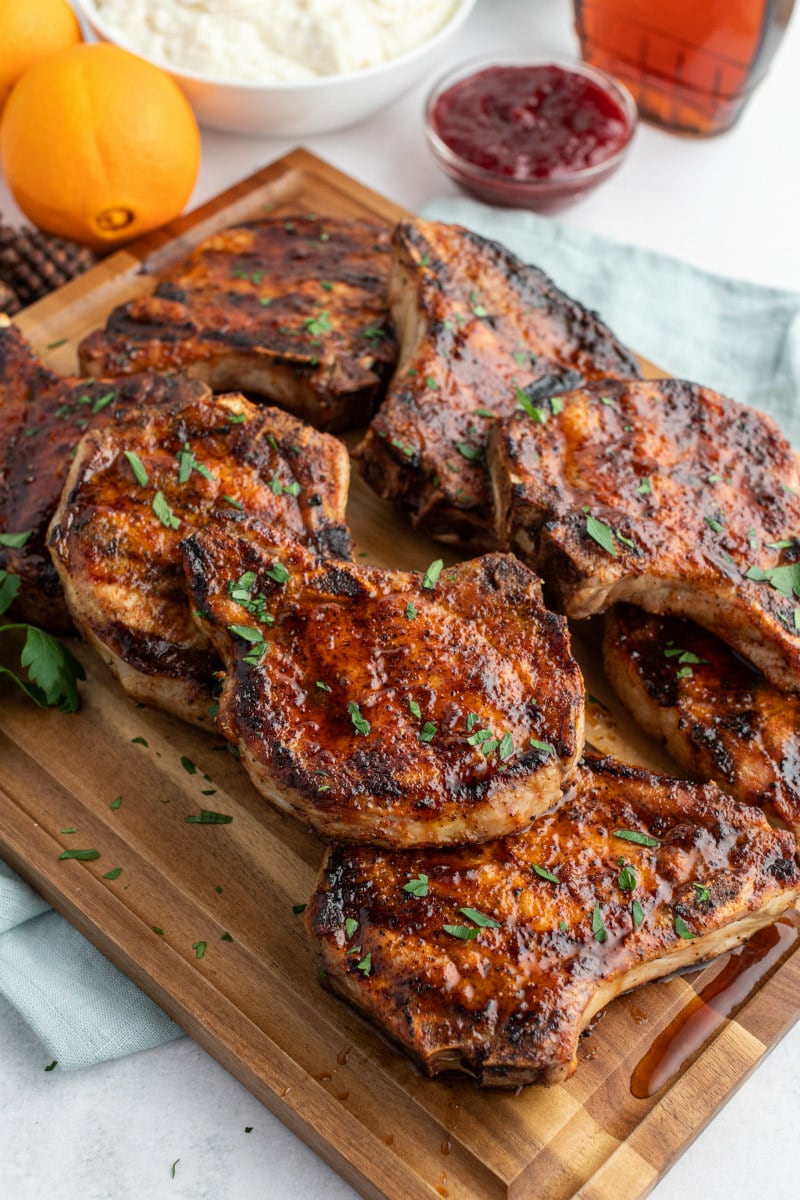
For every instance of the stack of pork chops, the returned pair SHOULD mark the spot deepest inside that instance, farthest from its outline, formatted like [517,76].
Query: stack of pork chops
[491,884]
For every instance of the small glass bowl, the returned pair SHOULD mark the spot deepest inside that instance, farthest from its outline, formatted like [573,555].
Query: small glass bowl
[540,194]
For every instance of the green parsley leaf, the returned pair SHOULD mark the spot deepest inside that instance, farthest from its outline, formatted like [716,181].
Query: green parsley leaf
[70,829]
[237,418]
[188,765]
[478,309]
[464,932]
[299,908]
[639,839]
[207,817]
[431,576]
[14,540]
[319,324]
[472,721]
[113,874]
[684,673]
[102,402]
[81,855]
[543,747]
[411,611]
[785,580]
[164,513]
[279,573]
[350,926]
[714,524]
[627,878]
[431,383]
[471,453]
[479,918]
[428,731]
[602,534]
[645,487]
[323,687]
[199,948]
[54,1063]
[543,873]
[234,503]
[138,741]
[537,415]
[247,633]
[157,929]
[115,804]
[506,747]
[598,928]
[683,930]
[418,886]
[415,709]
[637,912]
[225,937]
[556,405]
[366,963]
[360,724]
[52,670]
[702,893]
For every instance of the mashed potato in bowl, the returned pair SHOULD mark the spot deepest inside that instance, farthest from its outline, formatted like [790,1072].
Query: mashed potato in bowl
[263,41]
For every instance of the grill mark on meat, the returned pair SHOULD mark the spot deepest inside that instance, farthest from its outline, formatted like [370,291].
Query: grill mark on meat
[508,1005]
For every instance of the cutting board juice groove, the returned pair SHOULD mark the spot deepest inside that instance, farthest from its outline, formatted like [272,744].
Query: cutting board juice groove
[255,1002]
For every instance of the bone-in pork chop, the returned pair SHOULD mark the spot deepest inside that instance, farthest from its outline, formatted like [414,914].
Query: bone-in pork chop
[139,486]
[666,494]
[480,333]
[295,311]
[388,706]
[719,718]
[492,959]
[43,416]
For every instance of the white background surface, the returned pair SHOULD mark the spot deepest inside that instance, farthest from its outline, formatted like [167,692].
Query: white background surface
[729,204]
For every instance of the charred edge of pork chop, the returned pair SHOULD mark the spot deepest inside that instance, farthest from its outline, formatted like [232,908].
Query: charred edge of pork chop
[719,718]
[507,1001]
[379,710]
[295,311]
[476,327]
[665,494]
[43,416]
[115,536]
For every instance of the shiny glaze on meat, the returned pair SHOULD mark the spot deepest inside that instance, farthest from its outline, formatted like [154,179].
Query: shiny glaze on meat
[475,325]
[719,718]
[295,311]
[119,560]
[355,712]
[508,1006]
[43,416]
[699,496]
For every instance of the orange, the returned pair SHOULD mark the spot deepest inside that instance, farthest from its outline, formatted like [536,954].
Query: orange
[29,30]
[98,145]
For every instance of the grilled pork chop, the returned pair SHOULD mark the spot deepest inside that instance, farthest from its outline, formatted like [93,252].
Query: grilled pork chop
[43,416]
[137,488]
[492,959]
[480,334]
[384,706]
[295,311]
[719,718]
[666,494]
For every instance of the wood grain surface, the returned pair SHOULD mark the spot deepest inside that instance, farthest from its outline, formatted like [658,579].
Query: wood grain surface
[253,998]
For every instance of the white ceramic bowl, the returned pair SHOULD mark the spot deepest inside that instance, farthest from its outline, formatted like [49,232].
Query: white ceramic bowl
[297,109]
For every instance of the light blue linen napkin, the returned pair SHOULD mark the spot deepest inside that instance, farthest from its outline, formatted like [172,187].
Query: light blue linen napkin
[737,337]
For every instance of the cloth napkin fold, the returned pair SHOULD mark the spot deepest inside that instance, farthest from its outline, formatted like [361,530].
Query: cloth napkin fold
[739,338]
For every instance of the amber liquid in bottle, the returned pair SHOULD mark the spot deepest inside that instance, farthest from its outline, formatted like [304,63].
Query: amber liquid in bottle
[690,64]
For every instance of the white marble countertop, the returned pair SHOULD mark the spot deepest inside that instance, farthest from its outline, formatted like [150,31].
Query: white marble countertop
[731,205]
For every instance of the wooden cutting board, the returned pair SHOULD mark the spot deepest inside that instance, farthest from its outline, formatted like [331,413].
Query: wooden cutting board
[253,999]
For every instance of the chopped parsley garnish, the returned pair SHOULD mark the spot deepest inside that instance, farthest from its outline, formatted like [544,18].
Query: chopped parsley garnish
[702,893]
[137,467]
[556,405]
[638,839]
[113,874]
[199,948]
[115,804]
[485,412]
[472,721]
[279,573]
[247,633]
[471,453]
[417,887]
[14,541]
[138,741]
[411,611]
[51,672]
[234,503]
[164,513]
[785,580]
[543,873]
[319,324]
[431,576]
[598,928]
[428,731]
[299,908]
[684,673]
[323,687]
[542,747]
[431,383]
[684,656]
[477,308]
[506,747]
[81,855]
[188,463]
[188,765]
[627,877]
[409,451]
[602,534]
[54,1063]
[637,912]
[683,930]
[360,724]
[714,524]
[207,817]
[237,418]
[366,964]
[102,402]
[645,487]
[415,709]
[464,932]
[350,926]
[479,918]
[537,415]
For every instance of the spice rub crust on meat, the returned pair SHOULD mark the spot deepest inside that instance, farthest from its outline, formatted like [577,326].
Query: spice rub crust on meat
[389,706]
[480,333]
[666,494]
[137,488]
[295,311]
[43,416]
[491,959]
[719,718]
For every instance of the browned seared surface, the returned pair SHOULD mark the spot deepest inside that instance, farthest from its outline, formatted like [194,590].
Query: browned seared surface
[295,311]
[383,710]
[43,416]
[477,328]
[115,536]
[474,962]
[719,718]
[666,494]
